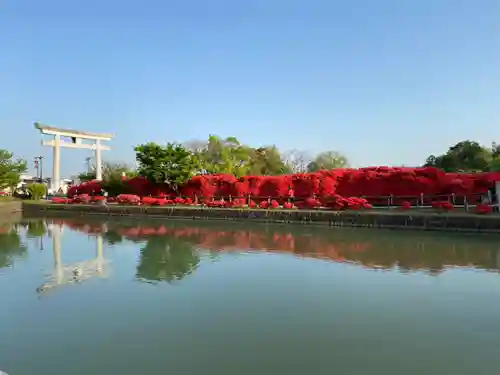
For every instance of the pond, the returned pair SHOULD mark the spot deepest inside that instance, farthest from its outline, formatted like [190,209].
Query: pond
[152,297]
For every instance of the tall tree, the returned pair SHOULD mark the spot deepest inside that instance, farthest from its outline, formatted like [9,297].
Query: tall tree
[223,155]
[328,160]
[465,156]
[10,170]
[172,164]
[267,161]
[229,155]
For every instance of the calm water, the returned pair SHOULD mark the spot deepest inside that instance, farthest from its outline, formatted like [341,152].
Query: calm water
[185,298]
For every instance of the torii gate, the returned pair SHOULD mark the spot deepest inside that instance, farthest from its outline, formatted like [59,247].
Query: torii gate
[77,138]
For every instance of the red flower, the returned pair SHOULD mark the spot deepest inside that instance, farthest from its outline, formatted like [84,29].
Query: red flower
[447,206]
[405,205]
[179,200]
[148,200]
[264,204]
[312,203]
[484,209]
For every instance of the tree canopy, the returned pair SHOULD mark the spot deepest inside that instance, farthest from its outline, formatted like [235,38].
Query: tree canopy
[228,155]
[328,160]
[176,163]
[467,156]
[110,171]
[10,169]
[172,164]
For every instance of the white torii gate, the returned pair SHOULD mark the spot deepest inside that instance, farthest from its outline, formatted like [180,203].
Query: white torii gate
[77,138]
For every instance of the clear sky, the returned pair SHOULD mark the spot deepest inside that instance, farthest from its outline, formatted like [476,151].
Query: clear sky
[386,82]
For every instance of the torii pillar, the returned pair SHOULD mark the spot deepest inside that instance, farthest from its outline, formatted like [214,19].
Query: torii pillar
[77,141]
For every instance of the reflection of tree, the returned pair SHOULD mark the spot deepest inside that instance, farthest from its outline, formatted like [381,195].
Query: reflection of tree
[10,248]
[405,251]
[112,238]
[166,259]
[36,228]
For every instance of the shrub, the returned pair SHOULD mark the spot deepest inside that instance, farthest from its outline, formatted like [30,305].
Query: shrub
[331,189]
[128,199]
[484,209]
[37,191]
[405,205]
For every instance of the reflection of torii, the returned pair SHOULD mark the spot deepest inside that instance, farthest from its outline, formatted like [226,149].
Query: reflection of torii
[76,272]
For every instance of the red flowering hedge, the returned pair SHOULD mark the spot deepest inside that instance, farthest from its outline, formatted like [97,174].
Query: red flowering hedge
[324,188]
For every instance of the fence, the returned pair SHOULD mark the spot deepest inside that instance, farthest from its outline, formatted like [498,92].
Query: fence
[422,201]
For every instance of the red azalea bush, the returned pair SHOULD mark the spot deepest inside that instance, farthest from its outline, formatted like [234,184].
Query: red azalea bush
[444,205]
[484,209]
[405,205]
[447,206]
[128,199]
[337,189]
[275,204]
[148,201]
[264,204]
[61,200]
[82,198]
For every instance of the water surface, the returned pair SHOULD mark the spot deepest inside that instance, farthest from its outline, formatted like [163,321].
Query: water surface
[128,297]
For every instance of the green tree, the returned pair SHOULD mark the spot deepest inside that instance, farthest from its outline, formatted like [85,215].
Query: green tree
[37,191]
[328,160]
[229,155]
[172,164]
[224,156]
[110,171]
[267,161]
[495,165]
[465,156]
[10,170]
[166,259]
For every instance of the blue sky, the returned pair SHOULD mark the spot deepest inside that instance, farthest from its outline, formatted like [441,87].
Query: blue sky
[385,82]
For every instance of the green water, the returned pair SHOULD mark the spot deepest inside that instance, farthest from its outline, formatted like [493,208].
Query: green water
[187,298]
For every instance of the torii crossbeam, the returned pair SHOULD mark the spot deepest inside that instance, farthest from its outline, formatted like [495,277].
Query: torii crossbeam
[77,141]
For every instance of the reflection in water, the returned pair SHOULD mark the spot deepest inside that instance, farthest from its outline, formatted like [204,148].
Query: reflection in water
[75,272]
[377,249]
[166,259]
[246,314]
[10,245]
[172,251]
[36,228]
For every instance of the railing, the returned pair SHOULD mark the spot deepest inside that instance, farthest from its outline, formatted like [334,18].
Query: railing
[422,201]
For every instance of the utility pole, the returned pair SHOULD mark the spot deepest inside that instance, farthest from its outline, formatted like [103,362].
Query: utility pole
[35,162]
[87,161]
[40,158]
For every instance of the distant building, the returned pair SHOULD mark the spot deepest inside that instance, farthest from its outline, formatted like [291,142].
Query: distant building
[26,180]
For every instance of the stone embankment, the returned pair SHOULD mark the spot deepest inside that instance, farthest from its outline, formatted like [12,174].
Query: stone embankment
[423,220]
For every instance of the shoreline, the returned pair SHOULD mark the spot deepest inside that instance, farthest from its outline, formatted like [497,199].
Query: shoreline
[414,220]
